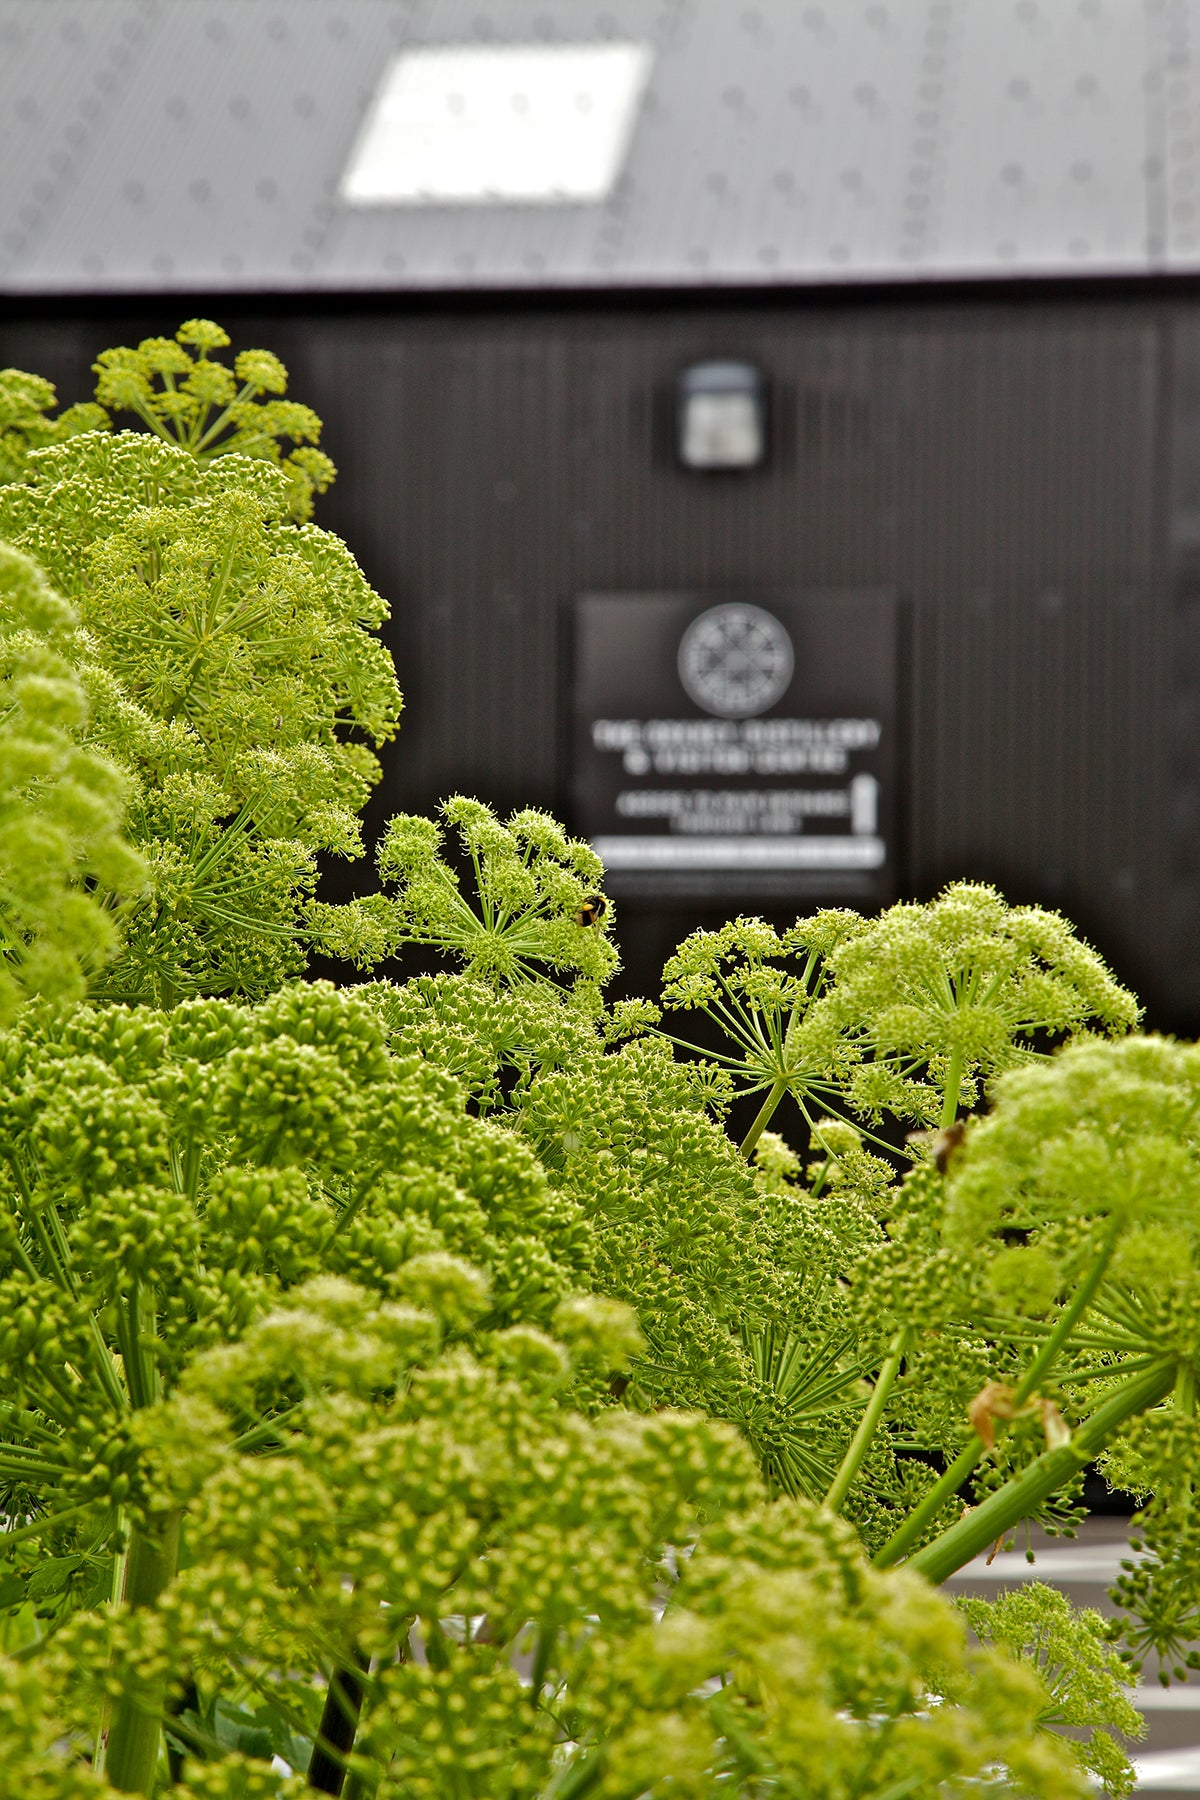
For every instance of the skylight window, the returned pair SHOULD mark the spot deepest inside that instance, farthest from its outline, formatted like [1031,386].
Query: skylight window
[516,123]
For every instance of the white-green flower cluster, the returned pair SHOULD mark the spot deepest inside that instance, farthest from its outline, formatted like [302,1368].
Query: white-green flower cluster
[212,411]
[228,655]
[64,865]
[905,1015]
[25,422]
[536,906]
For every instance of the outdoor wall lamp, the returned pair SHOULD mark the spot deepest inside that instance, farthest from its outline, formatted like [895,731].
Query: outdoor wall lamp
[721,416]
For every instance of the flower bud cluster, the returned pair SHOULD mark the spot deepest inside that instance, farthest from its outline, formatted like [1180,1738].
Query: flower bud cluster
[537,908]
[63,862]
[235,755]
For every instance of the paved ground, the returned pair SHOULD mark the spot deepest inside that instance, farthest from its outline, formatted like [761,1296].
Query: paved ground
[1168,1758]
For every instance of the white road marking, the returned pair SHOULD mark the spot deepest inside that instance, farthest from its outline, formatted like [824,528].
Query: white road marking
[1169,1771]
[1153,1698]
[1101,1566]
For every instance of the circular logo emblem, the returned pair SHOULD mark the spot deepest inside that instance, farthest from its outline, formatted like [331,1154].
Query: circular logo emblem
[735,661]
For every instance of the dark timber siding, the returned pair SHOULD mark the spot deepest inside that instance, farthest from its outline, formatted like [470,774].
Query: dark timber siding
[1025,474]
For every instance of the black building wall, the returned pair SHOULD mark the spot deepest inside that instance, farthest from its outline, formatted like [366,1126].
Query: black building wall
[1025,471]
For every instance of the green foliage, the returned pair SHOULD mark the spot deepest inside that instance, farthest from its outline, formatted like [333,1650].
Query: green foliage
[25,403]
[186,396]
[173,1176]
[63,862]
[231,672]
[1094,1163]
[934,999]
[35,1765]
[169,1174]
[494,1040]
[532,1602]
[891,1023]
[1085,1680]
[739,1295]
[904,1015]
[536,906]
[416,1379]
[740,977]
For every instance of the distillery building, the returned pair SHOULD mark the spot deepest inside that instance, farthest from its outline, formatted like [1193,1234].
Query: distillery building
[775,427]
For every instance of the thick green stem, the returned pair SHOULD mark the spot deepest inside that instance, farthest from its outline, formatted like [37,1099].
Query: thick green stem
[967,1460]
[547,1638]
[105,1367]
[132,1754]
[1021,1496]
[1069,1318]
[868,1425]
[1185,1402]
[954,1075]
[120,1568]
[337,1730]
[578,1778]
[903,1539]
[765,1114]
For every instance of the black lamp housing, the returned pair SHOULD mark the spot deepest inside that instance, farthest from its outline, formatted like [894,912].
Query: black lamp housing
[721,416]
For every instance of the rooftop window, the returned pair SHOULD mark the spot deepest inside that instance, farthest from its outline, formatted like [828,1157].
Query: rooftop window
[496,124]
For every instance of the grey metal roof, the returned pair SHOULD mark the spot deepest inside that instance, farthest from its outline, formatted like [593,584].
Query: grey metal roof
[198,145]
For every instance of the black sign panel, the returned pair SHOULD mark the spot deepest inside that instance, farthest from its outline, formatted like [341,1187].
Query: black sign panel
[730,748]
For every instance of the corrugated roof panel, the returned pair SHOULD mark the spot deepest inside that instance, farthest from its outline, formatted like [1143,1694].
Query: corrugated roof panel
[199,144]
[65,71]
[783,129]
[1043,148]
[222,172]
[1175,110]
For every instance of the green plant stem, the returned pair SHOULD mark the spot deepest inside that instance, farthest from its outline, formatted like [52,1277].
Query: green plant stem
[132,1755]
[185,1700]
[106,1368]
[950,1092]
[21,1464]
[1069,1318]
[903,1539]
[44,1522]
[578,1778]
[868,1425]
[120,1568]
[337,1730]
[1021,1496]
[765,1114]
[547,1638]
[1185,1403]
[967,1460]
[140,1371]
[352,1209]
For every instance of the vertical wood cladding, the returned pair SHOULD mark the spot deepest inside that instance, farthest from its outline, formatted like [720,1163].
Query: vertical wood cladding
[997,463]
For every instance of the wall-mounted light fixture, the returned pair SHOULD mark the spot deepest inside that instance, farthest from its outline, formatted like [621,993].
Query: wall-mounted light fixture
[721,416]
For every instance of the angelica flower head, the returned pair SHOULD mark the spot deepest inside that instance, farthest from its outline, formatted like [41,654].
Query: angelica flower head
[935,998]
[233,673]
[1101,1131]
[183,394]
[64,862]
[25,425]
[536,905]
[433,1516]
